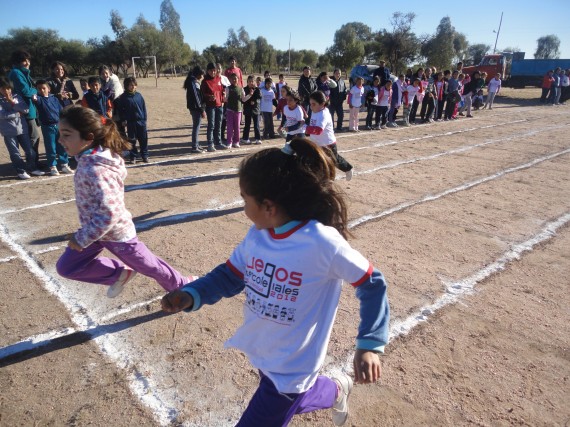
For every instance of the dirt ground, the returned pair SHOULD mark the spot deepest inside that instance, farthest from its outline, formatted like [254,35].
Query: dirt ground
[468,220]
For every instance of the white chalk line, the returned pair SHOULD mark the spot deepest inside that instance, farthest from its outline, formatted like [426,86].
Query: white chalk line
[455,291]
[365,218]
[123,311]
[39,252]
[457,189]
[144,388]
[164,182]
[430,136]
[462,149]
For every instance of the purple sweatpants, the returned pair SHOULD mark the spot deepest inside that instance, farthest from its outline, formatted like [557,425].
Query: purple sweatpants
[269,408]
[233,118]
[88,266]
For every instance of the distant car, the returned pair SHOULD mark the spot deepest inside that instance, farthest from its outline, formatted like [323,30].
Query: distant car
[365,71]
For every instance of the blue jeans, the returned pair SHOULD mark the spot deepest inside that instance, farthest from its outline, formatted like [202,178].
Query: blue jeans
[196,122]
[55,152]
[214,131]
[12,144]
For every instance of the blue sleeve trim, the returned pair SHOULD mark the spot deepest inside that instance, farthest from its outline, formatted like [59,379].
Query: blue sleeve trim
[369,345]
[194,294]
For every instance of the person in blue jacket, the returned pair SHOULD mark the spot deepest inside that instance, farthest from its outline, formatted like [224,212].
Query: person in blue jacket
[132,114]
[24,86]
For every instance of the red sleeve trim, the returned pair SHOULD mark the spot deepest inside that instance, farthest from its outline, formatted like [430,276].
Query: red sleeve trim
[234,269]
[365,277]
[313,130]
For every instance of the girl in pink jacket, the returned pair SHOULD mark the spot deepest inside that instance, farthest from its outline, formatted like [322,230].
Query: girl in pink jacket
[105,221]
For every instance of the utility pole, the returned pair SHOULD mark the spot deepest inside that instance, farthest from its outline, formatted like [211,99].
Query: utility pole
[498,31]
[289,69]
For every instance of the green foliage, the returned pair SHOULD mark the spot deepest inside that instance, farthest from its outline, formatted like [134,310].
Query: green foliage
[400,46]
[440,49]
[475,53]
[548,47]
[348,47]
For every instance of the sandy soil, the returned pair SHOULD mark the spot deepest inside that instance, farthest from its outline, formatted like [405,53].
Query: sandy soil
[468,220]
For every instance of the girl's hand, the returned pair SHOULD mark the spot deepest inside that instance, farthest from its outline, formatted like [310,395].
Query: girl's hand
[367,368]
[72,244]
[176,301]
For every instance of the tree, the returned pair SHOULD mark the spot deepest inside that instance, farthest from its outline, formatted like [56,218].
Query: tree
[475,53]
[241,47]
[400,46]
[170,21]
[43,45]
[263,54]
[548,47]
[439,49]
[347,49]
[117,25]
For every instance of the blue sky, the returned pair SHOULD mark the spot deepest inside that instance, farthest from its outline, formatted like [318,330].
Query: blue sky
[311,24]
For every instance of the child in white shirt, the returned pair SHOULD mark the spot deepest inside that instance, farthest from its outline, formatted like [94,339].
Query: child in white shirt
[354,104]
[267,102]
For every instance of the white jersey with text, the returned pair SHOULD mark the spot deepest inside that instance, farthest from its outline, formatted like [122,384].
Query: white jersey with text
[292,288]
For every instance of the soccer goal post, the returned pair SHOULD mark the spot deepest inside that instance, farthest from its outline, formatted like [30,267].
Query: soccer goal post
[146,58]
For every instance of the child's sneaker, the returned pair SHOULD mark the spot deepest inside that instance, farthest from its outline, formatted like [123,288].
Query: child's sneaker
[126,275]
[24,175]
[37,172]
[340,408]
[236,145]
[257,141]
[66,169]
[383,127]
[246,142]
[211,149]
[53,171]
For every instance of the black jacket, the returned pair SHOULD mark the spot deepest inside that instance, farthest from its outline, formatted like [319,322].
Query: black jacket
[194,100]
[338,94]
[251,106]
[307,85]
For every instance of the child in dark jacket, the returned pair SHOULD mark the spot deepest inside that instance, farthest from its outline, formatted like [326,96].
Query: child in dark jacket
[96,100]
[49,107]
[195,104]
[251,111]
[131,109]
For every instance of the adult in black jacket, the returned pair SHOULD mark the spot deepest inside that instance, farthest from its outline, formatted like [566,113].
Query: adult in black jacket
[383,72]
[307,85]
[195,104]
[337,98]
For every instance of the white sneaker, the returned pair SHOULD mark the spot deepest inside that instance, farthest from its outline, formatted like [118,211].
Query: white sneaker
[348,175]
[37,172]
[340,408]
[257,141]
[24,175]
[246,142]
[53,171]
[67,170]
[236,145]
[383,127]
[126,275]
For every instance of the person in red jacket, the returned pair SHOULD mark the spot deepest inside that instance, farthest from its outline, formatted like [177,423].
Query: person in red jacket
[546,84]
[234,69]
[213,95]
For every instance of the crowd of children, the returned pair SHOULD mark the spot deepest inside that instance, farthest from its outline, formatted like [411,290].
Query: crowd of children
[556,87]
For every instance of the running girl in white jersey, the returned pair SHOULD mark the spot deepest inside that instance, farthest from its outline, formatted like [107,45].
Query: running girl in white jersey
[291,266]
